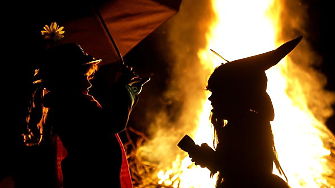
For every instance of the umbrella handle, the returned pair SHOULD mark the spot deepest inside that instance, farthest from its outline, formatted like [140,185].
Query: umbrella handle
[137,87]
[108,33]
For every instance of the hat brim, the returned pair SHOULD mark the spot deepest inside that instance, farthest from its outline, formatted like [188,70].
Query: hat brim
[88,59]
[94,61]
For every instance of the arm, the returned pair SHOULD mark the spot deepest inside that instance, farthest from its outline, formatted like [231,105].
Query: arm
[202,155]
[116,106]
[118,100]
[205,156]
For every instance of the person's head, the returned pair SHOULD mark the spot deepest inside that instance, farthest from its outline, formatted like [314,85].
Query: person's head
[239,87]
[67,67]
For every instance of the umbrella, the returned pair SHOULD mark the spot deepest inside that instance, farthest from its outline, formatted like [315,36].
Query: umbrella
[101,26]
[108,30]
[97,25]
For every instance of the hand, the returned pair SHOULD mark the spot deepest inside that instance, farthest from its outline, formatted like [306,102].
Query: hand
[204,156]
[125,75]
[137,84]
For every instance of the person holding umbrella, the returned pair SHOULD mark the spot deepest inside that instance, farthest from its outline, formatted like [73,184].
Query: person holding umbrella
[86,127]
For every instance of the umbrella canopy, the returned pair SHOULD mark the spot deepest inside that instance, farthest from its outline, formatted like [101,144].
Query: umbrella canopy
[126,21]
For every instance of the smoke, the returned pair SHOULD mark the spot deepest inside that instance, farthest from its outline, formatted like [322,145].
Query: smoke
[186,85]
[305,81]
[305,86]
[184,88]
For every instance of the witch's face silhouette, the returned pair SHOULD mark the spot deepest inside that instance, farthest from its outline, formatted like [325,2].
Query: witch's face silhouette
[236,92]
[79,84]
[67,68]
[239,87]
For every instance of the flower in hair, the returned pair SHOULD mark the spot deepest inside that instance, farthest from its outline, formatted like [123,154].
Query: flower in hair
[53,32]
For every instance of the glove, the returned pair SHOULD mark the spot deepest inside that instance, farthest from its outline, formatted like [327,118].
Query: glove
[204,156]
[137,84]
[126,76]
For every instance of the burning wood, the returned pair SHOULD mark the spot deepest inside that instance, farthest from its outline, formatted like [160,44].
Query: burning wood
[143,171]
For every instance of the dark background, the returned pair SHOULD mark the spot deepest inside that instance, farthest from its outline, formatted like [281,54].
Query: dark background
[149,58]
[322,39]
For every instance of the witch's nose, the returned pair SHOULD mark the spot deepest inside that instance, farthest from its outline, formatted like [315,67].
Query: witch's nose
[210,98]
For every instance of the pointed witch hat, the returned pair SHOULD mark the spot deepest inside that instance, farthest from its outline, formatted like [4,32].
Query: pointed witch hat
[246,81]
[268,59]
[242,69]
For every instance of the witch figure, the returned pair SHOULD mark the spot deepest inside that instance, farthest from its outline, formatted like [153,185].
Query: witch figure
[87,128]
[241,115]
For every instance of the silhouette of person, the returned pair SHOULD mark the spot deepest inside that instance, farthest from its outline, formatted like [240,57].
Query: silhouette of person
[87,128]
[241,115]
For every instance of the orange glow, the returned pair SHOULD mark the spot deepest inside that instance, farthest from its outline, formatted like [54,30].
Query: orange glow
[244,28]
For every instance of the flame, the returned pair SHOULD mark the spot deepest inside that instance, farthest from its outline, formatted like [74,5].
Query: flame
[243,28]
